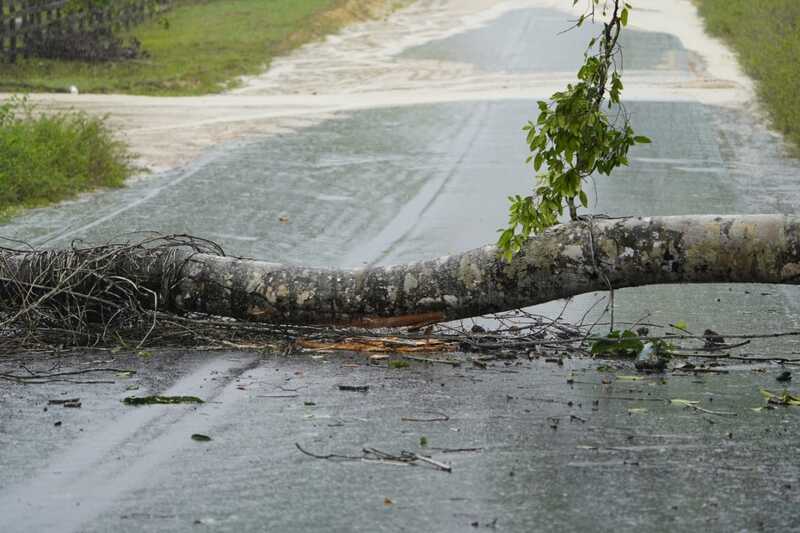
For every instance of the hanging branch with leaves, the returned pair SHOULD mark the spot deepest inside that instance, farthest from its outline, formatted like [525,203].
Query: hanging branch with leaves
[573,137]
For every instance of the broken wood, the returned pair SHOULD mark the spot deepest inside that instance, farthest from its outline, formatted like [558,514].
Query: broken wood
[382,344]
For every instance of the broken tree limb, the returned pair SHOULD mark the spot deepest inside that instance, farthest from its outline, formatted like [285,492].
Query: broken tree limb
[565,261]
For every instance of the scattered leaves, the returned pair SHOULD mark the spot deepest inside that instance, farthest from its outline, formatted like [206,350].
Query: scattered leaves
[199,437]
[783,398]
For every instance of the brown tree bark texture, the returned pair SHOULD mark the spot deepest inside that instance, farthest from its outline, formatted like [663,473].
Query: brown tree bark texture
[565,261]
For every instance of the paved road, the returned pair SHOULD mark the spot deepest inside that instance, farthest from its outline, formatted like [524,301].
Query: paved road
[396,183]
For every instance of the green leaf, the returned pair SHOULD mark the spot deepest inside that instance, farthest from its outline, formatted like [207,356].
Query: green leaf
[684,403]
[621,347]
[583,198]
[623,17]
[641,139]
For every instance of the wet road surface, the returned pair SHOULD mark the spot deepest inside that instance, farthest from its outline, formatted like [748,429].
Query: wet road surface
[394,184]
[619,457]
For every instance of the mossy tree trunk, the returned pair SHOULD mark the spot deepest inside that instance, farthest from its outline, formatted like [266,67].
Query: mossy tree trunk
[565,261]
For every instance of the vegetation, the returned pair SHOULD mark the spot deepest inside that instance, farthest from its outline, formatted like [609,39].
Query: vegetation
[573,137]
[766,38]
[163,400]
[49,157]
[201,47]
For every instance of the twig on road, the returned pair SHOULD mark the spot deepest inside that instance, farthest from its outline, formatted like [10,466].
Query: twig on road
[373,455]
[440,417]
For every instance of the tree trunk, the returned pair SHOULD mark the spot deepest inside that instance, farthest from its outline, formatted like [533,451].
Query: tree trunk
[567,260]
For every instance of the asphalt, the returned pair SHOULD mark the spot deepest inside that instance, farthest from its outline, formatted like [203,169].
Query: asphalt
[528,450]
[587,445]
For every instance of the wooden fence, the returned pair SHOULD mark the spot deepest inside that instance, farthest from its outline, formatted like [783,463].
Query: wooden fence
[21,21]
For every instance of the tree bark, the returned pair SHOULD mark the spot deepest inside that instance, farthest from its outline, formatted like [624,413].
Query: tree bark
[565,261]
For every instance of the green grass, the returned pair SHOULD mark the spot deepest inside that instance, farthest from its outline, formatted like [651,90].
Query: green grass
[47,158]
[203,49]
[766,36]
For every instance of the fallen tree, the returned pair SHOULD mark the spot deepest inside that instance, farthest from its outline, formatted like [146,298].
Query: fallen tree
[192,276]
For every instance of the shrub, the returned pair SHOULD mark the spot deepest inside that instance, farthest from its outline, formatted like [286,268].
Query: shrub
[45,158]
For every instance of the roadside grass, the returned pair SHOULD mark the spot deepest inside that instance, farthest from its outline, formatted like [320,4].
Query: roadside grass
[200,47]
[45,158]
[766,37]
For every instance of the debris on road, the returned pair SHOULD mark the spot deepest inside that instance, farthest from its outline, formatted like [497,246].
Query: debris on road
[381,344]
[373,455]
[354,388]
[159,400]
[783,398]
[70,402]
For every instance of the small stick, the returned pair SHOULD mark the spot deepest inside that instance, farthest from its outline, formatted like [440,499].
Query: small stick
[710,412]
[440,418]
[457,450]
[60,374]
[416,457]
[431,360]
[330,456]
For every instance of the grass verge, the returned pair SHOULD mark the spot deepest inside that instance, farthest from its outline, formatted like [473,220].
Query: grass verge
[45,158]
[204,48]
[766,37]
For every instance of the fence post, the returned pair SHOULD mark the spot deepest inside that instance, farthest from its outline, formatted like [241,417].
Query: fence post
[25,28]
[37,32]
[12,28]
[2,31]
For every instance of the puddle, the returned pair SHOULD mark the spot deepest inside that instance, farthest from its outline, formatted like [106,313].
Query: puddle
[524,41]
